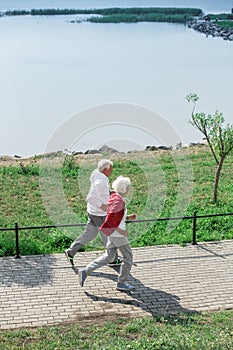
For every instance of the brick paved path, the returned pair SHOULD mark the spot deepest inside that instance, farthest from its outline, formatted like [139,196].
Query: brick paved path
[41,290]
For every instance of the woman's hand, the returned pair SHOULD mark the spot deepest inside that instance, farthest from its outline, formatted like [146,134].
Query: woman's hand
[122,232]
[131,217]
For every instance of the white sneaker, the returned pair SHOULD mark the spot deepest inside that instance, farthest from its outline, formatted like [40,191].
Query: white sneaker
[124,286]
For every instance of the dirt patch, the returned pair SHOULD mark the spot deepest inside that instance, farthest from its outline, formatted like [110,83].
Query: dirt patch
[100,318]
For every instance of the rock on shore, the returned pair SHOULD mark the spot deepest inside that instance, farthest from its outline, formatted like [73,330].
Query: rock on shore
[212,28]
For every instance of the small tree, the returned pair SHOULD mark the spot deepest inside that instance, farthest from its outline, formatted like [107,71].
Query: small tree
[219,138]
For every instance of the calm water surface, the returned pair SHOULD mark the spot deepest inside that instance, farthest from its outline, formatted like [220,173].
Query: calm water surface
[52,69]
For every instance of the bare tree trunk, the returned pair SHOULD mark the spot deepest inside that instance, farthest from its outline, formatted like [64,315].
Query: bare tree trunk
[217,177]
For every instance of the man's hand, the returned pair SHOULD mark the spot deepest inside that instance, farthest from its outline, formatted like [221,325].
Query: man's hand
[104,207]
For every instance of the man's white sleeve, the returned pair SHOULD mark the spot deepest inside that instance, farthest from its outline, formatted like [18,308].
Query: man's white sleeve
[102,190]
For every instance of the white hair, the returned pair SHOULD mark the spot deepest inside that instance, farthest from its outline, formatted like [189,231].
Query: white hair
[120,184]
[104,164]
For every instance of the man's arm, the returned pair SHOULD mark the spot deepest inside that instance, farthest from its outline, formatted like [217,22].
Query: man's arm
[104,207]
[102,190]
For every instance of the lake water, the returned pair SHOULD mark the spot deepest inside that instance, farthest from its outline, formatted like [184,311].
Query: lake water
[51,69]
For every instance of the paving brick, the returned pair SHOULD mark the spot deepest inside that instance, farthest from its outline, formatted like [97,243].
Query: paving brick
[44,290]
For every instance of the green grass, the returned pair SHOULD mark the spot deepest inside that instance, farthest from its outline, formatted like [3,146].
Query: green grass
[133,18]
[226,24]
[157,191]
[223,19]
[207,331]
[221,16]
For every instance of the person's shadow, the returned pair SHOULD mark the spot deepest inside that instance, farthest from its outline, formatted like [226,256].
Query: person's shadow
[156,302]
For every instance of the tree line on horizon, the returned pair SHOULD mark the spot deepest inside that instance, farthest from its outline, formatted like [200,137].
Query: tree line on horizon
[116,14]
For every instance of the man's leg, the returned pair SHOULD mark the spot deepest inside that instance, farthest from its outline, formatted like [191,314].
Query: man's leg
[89,234]
[96,219]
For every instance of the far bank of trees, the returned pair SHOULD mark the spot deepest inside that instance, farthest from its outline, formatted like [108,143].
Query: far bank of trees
[116,15]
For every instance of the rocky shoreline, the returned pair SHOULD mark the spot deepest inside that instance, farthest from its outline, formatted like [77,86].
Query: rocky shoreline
[211,28]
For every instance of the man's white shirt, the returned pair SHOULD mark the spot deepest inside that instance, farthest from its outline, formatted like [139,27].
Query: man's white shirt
[98,194]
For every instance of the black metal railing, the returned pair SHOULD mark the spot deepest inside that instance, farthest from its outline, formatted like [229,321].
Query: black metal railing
[194,218]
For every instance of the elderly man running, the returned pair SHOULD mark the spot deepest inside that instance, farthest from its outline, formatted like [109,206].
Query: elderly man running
[97,200]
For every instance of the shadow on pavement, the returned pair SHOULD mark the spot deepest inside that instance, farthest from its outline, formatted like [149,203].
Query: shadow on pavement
[28,271]
[155,302]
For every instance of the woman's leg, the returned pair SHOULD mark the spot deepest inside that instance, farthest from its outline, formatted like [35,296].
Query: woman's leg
[126,263]
[103,260]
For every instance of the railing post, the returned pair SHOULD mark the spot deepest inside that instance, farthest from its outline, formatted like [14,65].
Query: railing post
[194,242]
[17,241]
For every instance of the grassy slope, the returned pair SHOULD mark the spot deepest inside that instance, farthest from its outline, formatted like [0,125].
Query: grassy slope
[21,201]
[20,198]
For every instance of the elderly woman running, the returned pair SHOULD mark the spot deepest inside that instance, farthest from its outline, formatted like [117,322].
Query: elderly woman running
[115,228]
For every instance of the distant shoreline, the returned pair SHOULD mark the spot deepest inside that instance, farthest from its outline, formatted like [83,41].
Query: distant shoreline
[211,24]
[118,15]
